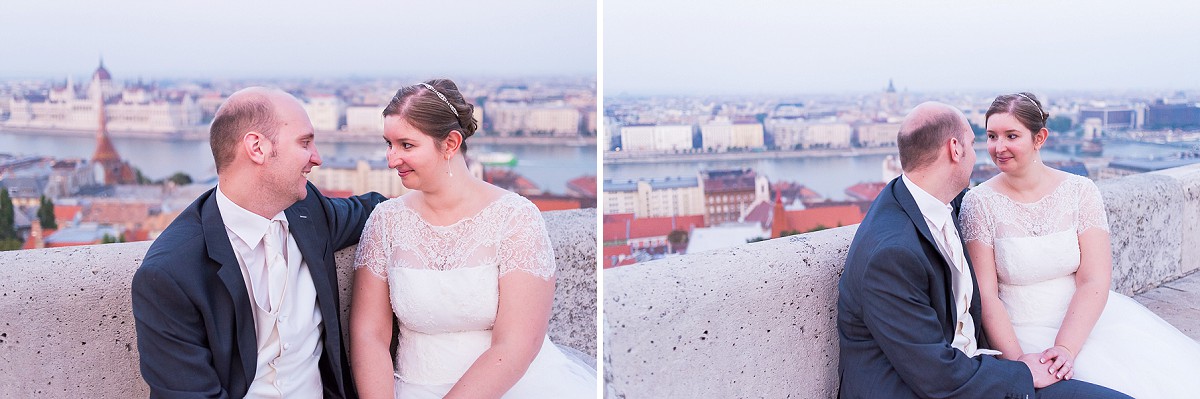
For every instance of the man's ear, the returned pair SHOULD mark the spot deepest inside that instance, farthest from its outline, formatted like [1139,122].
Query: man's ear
[256,147]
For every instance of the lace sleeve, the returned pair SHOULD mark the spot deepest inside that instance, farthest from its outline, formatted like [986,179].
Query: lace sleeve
[976,220]
[1091,209]
[373,249]
[526,245]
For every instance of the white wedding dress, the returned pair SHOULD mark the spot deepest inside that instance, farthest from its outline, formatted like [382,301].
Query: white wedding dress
[1037,253]
[444,290]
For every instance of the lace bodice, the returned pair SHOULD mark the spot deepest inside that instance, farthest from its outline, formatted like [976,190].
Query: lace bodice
[443,281]
[1075,205]
[509,233]
[1036,245]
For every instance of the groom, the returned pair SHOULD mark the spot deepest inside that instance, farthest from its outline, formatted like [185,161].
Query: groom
[239,295]
[908,306]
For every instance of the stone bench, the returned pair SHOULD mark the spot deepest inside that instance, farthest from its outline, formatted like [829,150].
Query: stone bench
[67,330]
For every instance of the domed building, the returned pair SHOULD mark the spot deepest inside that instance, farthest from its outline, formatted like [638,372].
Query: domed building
[133,108]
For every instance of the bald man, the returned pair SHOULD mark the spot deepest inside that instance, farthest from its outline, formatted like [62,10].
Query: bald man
[238,297]
[908,306]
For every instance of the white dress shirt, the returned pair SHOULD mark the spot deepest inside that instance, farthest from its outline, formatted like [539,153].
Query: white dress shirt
[939,217]
[289,333]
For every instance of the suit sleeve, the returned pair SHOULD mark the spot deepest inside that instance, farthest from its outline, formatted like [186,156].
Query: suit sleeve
[898,312]
[175,359]
[347,216]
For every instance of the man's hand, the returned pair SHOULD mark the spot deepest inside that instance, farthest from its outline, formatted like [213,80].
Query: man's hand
[1042,377]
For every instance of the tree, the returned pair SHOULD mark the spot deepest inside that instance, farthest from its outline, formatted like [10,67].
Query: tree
[1059,124]
[45,214]
[8,232]
[180,179]
[677,239]
[109,239]
[7,216]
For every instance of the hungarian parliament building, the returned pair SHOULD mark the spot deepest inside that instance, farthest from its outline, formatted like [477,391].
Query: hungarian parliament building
[134,108]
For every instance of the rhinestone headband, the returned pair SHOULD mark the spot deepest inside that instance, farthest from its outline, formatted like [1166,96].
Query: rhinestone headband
[439,94]
[1035,104]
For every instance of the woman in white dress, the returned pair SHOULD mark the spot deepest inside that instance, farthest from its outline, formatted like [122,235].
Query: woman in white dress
[1038,239]
[466,268]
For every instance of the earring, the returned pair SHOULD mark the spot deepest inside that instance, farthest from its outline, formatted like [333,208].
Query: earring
[448,171]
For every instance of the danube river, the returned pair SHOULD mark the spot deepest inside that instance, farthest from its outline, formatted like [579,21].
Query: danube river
[548,166]
[831,175]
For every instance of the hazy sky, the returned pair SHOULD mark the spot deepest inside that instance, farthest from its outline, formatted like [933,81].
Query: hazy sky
[769,46]
[298,38]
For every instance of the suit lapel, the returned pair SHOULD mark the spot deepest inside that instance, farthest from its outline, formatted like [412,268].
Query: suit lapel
[905,199]
[216,239]
[313,248]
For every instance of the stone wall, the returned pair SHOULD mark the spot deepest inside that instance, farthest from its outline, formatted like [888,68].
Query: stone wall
[66,328]
[759,320]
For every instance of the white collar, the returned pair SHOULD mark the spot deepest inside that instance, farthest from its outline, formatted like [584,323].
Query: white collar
[934,210]
[248,226]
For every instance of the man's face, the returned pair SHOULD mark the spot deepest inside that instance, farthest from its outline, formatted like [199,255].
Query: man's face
[969,158]
[293,154]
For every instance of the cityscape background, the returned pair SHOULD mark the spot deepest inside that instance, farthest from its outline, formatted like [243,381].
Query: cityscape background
[103,121]
[763,119]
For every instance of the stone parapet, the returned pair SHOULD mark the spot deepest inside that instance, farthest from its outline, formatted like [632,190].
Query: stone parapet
[759,320]
[67,330]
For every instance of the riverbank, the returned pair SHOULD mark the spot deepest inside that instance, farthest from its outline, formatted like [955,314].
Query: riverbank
[628,157]
[200,133]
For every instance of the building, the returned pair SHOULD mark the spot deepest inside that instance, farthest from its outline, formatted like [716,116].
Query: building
[136,108]
[1173,116]
[662,197]
[326,111]
[876,134]
[1112,117]
[539,119]
[111,170]
[727,193]
[357,177]
[656,137]
[364,118]
[801,134]
[722,135]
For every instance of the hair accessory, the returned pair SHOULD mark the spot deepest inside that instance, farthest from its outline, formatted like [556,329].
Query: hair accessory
[1035,104]
[439,94]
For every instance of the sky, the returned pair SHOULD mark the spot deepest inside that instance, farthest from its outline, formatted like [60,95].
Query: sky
[298,38]
[777,47]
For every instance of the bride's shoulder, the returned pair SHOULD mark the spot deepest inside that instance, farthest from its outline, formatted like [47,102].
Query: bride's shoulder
[389,207]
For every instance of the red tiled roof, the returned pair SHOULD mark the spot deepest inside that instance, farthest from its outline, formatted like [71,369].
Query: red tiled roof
[66,213]
[336,193]
[545,203]
[584,185]
[865,191]
[830,216]
[650,227]
[615,250]
[617,217]
[117,212]
[760,212]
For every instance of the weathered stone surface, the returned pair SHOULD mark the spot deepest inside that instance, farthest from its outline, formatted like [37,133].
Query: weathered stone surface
[66,327]
[756,320]
[1145,216]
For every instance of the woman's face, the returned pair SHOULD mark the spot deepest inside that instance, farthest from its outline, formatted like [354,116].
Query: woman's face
[415,156]
[1011,145]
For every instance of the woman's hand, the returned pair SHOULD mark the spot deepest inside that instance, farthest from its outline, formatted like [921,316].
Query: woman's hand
[1064,361]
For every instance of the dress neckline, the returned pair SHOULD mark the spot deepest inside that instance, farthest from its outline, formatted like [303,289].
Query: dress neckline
[481,211]
[1060,186]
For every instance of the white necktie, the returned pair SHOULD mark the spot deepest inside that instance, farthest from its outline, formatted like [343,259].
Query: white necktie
[276,246]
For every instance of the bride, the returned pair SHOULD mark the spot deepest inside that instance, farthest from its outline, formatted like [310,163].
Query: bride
[466,267]
[1039,242]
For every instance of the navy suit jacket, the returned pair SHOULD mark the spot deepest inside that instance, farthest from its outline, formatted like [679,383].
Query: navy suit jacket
[195,327]
[896,315]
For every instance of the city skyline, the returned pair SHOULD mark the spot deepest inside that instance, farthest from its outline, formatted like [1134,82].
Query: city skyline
[235,40]
[780,48]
